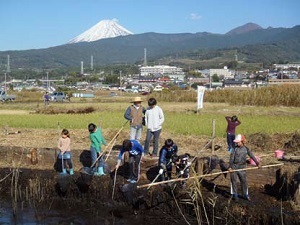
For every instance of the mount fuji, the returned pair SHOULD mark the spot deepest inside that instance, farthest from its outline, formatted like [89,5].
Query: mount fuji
[103,29]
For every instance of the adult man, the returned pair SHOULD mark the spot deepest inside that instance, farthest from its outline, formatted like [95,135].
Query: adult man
[238,161]
[135,114]
[46,99]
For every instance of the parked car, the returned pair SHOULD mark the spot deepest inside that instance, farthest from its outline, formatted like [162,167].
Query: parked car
[57,96]
[6,97]
[158,88]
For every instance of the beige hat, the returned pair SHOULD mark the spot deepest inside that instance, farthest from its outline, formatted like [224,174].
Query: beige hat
[137,99]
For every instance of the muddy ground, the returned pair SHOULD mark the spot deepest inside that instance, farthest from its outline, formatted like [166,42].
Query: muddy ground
[37,189]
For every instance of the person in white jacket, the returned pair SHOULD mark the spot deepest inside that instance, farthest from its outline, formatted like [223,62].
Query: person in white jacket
[154,118]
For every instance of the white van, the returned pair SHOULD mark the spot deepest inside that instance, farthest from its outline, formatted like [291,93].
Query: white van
[158,88]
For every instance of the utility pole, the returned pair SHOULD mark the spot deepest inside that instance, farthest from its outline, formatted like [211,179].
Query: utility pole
[81,68]
[7,72]
[48,84]
[145,57]
[120,80]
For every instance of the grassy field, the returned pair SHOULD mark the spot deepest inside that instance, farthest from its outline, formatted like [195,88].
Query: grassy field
[180,118]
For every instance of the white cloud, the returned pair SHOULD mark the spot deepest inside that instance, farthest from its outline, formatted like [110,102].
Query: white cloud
[115,19]
[195,16]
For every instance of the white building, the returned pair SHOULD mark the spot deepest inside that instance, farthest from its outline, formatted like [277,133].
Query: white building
[221,72]
[161,69]
[287,66]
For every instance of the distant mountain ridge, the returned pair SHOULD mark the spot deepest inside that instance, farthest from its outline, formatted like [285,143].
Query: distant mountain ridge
[103,29]
[277,44]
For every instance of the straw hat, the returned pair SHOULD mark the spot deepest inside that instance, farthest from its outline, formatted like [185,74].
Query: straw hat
[137,99]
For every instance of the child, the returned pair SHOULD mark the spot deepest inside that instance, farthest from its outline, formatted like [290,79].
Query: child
[136,152]
[167,154]
[232,123]
[183,167]
[64,144]
[96,141]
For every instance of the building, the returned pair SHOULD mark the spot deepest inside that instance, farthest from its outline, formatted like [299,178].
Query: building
[287,66]
[160,69]
[226,73]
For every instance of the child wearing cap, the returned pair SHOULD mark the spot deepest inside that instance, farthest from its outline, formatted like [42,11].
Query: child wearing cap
[135,114]
[238,159]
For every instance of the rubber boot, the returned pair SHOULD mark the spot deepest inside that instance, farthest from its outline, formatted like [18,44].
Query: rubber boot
[64,171]
[71,171]
[100,172]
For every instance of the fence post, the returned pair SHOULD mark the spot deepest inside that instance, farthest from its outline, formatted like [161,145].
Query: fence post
[213,136]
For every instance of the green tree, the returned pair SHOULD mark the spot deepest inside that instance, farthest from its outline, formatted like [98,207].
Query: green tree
[215,78]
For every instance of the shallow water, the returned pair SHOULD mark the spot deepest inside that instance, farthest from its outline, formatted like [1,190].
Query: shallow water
[64,214]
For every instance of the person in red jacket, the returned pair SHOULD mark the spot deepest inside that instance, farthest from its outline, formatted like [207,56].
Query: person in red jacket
[232,123]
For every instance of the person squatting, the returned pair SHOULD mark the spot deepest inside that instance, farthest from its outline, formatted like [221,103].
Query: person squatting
[136,152]
[168,156]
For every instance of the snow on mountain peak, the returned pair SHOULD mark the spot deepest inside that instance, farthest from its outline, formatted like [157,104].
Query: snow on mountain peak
[103,29]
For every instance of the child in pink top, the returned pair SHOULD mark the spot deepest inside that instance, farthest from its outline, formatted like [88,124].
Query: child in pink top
[64,145]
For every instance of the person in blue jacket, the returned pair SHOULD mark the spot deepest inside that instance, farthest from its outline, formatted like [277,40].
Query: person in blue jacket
[136,151]
[167,154]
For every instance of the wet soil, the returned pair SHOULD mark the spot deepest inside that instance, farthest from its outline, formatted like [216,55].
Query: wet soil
[36,192]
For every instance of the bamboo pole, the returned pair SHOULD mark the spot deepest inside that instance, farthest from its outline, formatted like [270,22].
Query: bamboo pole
[117,134]
[113,139]
[206,175]
[113,191]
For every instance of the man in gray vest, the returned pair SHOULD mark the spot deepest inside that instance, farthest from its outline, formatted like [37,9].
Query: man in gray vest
[135,114]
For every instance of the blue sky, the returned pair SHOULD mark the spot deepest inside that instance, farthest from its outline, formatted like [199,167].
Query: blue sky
[34,24]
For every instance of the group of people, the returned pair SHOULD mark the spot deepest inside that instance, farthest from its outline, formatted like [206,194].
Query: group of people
[153,118]
[97,140]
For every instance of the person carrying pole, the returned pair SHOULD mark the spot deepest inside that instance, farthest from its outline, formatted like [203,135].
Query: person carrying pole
[97,140]
[136,152]
[238,161]
[135,114]
[167,155]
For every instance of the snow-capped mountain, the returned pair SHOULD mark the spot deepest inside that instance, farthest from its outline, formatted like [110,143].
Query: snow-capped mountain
[103,29]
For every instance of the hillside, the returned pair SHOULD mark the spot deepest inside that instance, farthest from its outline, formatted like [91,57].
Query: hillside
[269,45]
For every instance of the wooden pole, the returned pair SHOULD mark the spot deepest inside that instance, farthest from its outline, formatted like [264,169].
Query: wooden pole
[206,175]
[117,134]
[153,181]
[113,191]
[110,149]
[213,136]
